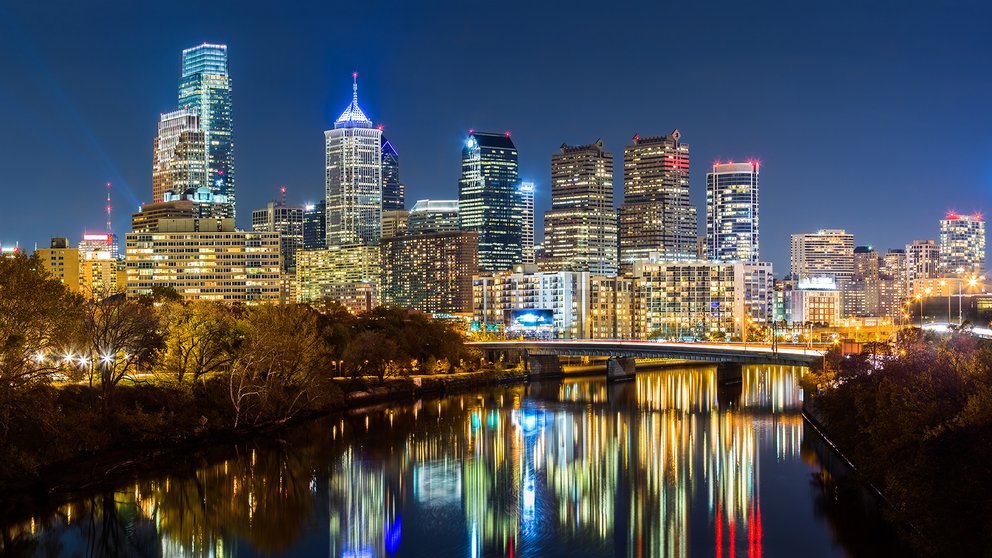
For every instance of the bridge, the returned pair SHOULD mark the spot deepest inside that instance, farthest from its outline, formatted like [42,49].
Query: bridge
[542,356]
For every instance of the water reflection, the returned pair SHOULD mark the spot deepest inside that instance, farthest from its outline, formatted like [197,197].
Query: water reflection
[667,465]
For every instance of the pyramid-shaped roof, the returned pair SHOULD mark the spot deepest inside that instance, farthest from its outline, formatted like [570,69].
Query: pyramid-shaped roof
[353,117]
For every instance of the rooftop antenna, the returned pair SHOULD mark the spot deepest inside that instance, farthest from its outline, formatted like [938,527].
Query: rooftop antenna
[108,208]
[282,190]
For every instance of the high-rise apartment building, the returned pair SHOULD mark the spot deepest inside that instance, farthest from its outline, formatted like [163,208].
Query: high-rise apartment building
[580,229]
[433,216]
[393,191]
[353,178]
[922,258]
[202,262]
[527,226]
[657,216]
[732,212]
[430,272]
[285,219]
[349,275]
[825,253]
[314,231]
[205,88]
[489,199]
[962,244]
[179,158]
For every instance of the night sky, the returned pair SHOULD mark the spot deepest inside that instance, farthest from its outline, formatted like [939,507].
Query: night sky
[869,116]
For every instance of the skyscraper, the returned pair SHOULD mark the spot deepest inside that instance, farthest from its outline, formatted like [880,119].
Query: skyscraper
[433,216]
[205,88]
[179,158]
[921,264]
[825,253]
[962,244]
[393,191]
[732,212]
[657,215]
[280,217]
[353,178]
[580,229]
[527,225]
[314,231]
[489,199]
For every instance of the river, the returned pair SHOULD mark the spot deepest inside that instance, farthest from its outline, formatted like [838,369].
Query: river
[666,465]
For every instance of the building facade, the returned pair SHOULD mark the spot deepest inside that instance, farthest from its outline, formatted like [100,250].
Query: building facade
[489,199]
[825,253]
[527,190]
[353,178]
[393,191]
[922,264]
[179,155]
[218,265]
[962,245]
[433,216]
[314,229]
[205,89]
[348,275]
[580,229]
[732,217]
[430,272]
[287,220]
[657,216]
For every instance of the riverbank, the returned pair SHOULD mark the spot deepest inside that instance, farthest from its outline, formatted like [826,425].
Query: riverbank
[91,466]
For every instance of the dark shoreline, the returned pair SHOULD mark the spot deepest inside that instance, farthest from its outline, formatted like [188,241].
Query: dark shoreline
[106,468]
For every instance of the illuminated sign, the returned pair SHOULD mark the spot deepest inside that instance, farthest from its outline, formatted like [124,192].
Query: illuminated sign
[532,318]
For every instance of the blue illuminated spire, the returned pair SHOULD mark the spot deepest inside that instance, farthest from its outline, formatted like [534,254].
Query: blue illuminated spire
[353,117]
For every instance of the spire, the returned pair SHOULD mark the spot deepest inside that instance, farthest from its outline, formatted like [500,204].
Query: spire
[108,209]
[353,117]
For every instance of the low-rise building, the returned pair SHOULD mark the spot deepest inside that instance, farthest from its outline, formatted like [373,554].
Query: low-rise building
[348,275]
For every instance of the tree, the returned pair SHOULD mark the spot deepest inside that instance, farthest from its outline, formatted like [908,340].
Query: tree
[370,353]
[279,369]
[120,335]
[198,338]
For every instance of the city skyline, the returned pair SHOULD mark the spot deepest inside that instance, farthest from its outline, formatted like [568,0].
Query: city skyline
[97,137]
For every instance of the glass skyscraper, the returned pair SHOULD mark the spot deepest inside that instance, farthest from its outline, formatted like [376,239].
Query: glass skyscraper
[353,179]
[489,199]
[314,231]
[732,212]
[393,195]
[205,87]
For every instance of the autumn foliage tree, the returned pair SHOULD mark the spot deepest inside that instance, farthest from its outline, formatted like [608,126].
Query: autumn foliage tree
[198,338]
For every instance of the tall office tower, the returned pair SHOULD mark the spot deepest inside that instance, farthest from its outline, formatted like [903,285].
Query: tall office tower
[892,282]
[922,257]
[732,212]
[393,191]
[353,178]
[280,217]
[433,216]
[489,199]
[527,226]
[314,231]
[825,253]
[179,157]
[205,88]
[962,244]
[580,229]
[861,294]
[657,215]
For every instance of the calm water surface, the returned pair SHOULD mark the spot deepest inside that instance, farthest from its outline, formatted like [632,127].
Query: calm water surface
[667,465]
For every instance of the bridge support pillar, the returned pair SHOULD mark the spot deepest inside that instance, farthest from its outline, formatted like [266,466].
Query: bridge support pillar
[620,369]
[545,366]
[729,373]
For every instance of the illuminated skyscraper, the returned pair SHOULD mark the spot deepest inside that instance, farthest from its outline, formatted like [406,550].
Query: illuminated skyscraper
[825,253]
[962,244]
[921,264]
[489,199]
[179,158]
[314,231]
[353,178]
[657,215]
[280,217]
[393,191]
[580,229]
[205,88]
[732,212]
[527,226]
[433,216]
